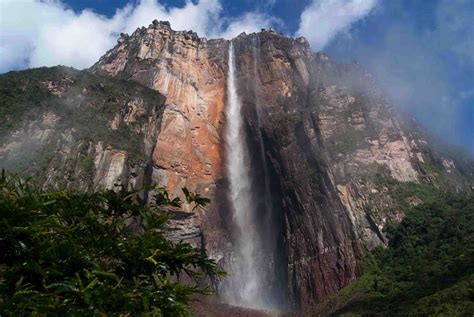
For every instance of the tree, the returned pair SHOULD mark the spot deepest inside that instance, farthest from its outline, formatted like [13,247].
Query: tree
[103,253]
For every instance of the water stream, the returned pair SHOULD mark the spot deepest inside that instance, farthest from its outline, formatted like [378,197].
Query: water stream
[244,283]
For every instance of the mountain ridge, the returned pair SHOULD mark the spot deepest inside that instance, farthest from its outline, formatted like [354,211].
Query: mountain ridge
[325,132]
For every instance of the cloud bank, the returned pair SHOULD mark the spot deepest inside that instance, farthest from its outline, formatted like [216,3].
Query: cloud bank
[46,33]
[426,65]
[37,33]
[322,20]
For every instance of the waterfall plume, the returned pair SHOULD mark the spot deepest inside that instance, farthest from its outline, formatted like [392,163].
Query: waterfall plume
[244,284]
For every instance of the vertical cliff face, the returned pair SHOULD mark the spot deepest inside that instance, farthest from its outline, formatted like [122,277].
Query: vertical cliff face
[328,137]
[320,137]
[279,93]
[319,134]
[72,129]
[190,72]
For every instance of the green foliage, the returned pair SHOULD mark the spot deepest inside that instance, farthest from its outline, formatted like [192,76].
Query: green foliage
[426,270]
[432,249]
[85,254]
[403,195]
[86,106]
[191,197]
[347,142]
[19,94]
[88,166]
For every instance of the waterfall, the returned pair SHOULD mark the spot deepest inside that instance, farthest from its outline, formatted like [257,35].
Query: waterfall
[244,285]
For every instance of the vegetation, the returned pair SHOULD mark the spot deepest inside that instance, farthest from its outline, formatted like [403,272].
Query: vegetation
[403,195]
[85,103]
[105,253]
[85,254]
[18,94]
[347,142]
[426,270]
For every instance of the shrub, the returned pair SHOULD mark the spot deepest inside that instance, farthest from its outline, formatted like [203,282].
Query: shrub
[82,254]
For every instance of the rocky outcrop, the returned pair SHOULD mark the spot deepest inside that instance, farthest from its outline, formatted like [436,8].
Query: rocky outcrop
[190,72]
[87,132]
[320,135]
[328,134]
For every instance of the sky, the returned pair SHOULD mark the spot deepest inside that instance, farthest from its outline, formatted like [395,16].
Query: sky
[420,51]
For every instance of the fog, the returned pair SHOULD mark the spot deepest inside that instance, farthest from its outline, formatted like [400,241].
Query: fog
[424,63]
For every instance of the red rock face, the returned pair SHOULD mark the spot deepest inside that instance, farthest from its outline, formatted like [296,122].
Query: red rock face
[318,135]
[190,72]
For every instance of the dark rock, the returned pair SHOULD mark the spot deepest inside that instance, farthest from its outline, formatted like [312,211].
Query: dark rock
[319,134]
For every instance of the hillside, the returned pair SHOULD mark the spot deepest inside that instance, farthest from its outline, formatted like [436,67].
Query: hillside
[426,270]
[71,128]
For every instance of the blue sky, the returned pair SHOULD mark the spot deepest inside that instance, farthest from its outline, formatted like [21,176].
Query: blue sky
[421,52]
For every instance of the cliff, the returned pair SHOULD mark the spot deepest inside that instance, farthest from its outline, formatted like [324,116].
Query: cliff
[321,137]
[72,129]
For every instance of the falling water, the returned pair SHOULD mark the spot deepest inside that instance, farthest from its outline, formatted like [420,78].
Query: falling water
[244,283]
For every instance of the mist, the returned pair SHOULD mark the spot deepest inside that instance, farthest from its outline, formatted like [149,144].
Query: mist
[421,52]
[421,55]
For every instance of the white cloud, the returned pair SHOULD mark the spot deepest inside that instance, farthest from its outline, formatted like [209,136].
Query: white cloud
[323,19]
[423,65]
[199,17]
[248,23]
[45,33]
[455,28]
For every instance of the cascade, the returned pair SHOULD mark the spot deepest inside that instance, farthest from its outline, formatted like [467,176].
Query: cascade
[244,284]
